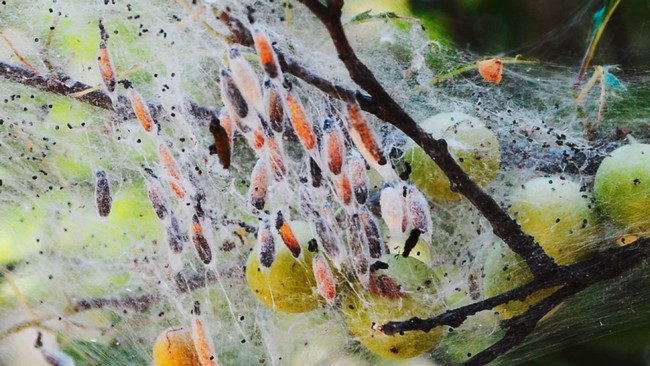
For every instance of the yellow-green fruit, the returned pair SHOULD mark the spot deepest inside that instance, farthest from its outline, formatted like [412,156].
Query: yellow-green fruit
[477,333]
[559,216]
[364,312]
[504,271]
[622,187]
[289,285]
[421,250]
[174,347]
[474,147]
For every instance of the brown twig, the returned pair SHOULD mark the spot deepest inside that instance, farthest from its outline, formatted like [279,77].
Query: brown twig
[62,84]
[520,327]
[139,304]
[17,54]
[607,265]
[183,283]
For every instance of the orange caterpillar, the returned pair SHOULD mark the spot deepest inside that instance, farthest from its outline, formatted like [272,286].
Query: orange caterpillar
[419,213]
[259,182]
[287,235]
[343,188]
[245,78]
[364,137]
[333,145]
[360,181]
[202,342]
[301,123]
[276,158]
[258,139]
[141,110]
[156,195]
[393,210]
[200,242]
[325,281]
[275,109]
[169,163]
[221,130]
[266,245]
[106,67]
[268,57]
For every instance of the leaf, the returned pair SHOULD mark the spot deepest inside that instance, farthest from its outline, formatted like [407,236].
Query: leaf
[598,18]
[612,82]
[361,17]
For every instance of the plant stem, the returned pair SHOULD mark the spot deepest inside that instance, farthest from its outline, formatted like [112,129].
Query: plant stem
[594,43]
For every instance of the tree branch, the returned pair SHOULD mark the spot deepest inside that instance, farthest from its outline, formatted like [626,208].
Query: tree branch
[607,265]
[139,304]
[184,283]
[388,110]
[520,327]
[62,84]
[455,317]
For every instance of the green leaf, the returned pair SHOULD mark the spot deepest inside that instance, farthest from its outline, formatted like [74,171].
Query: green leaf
[361,17]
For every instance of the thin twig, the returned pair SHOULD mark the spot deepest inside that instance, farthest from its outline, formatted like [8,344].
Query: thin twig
[591,50]
[139,304]
[474,65]
[17,54]
[33,323]
[62,84]
[607,265]
[184,283]
[520,327]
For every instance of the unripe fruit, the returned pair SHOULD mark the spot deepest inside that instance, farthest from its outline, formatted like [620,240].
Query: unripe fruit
[365,312]
[622,187]
[174,347]
[474,147]
[504,271]
[289,284]
[559,216]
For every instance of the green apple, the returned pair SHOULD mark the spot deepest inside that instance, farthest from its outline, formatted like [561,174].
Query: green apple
[416,295]
[622,188]
[476,334]
[453,284]
[473,145]
[505,270]
[559,216]
[314,338]
[421,250]
[289,284]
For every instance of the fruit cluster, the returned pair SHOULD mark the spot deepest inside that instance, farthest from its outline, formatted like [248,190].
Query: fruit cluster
[343,221]
[562,217]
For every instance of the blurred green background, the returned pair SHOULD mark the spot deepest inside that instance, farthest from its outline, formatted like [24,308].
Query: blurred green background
[552,30]
[555,31]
